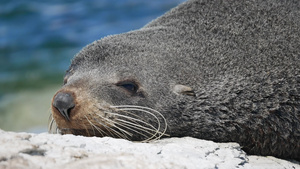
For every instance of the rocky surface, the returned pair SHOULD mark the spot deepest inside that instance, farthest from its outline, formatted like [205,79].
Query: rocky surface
[26,150]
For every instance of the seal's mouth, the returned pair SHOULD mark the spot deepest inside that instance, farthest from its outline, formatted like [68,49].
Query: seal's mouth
[135,123]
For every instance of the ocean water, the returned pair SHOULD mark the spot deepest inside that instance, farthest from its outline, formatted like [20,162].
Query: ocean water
[39,38]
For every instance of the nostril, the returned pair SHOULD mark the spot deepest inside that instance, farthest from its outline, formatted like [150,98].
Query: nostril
[64,102]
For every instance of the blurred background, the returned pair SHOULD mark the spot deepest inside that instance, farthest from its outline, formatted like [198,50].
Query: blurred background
[38,39]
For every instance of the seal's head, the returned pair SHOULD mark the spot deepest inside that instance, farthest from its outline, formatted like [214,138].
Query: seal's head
[217,70]
[119,89]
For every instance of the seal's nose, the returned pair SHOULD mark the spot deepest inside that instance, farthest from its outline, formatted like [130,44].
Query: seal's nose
[64,102]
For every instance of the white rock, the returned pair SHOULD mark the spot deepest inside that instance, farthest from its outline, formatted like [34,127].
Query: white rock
[25,150]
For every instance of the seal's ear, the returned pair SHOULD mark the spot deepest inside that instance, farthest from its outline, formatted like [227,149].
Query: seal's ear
[182,89]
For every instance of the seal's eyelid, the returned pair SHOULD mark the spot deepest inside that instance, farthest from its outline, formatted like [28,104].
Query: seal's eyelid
[129,86]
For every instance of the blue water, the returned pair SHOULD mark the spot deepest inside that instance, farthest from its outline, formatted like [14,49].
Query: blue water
[39,38]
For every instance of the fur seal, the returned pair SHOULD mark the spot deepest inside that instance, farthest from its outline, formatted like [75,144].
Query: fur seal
[227,71]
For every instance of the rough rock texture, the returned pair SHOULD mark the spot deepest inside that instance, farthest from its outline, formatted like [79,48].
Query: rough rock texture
[26,150]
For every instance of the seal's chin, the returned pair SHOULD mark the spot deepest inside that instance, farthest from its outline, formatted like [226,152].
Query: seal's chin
[135,123]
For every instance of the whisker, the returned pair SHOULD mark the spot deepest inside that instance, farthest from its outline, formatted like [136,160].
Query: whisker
[134,122]
[85,127]
[137,126]
[130,118]
[137,129]
[130,127]
[93,126]
[158,121]
[105,111]
[145,110]
[123,121]
[50,121]
[109,129]
[105,126]
[57,130]
[126,109]
[52,125]
[123,135]
[157,132]
[124,132]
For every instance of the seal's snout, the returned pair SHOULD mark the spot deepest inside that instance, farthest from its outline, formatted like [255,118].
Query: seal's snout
[64,102]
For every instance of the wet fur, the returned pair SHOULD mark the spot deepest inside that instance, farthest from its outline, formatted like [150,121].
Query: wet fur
[241,58]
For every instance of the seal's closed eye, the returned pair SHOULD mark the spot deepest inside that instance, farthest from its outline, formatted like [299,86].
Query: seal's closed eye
[130,86]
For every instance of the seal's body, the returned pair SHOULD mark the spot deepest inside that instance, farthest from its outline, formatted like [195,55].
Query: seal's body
[227,71]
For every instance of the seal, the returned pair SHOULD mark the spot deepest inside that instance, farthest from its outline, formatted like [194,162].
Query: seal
[226,71]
